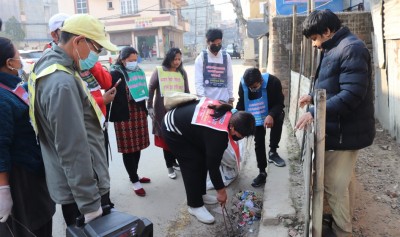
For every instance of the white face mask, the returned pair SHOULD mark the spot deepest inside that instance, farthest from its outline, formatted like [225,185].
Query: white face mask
[131,65]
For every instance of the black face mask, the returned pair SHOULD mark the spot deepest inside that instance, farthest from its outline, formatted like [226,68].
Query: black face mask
[215,48]
[236,138]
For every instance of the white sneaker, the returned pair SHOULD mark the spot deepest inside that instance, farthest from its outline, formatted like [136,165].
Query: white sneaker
[171,173]
[202,214]
[209,199]
[176,167]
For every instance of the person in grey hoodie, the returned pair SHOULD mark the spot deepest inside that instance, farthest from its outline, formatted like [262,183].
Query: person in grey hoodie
[68,121]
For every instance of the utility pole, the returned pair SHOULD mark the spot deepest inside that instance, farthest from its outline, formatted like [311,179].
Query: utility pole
[239,13]
[206,16]
[195,26]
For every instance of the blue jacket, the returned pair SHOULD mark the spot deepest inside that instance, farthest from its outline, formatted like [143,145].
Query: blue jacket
[17,139]
[345,74]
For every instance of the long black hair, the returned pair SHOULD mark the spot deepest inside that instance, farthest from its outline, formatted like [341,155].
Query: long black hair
[124,54]
[243,122]
[7,50]
[169,58]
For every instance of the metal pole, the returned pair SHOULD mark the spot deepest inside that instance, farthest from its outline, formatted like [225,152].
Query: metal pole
[294,26]
[195,25]
[301,70]
[318,185]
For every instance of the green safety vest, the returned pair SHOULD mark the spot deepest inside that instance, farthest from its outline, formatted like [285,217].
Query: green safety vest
[170,81]
[33,78]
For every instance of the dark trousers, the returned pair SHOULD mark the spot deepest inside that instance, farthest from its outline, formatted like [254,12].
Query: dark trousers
[193,167]
[32,209]
[274,139]
[13,228]
[131,162]
[169,158]
[71,211]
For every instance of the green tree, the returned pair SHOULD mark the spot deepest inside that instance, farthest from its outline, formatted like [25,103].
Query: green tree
[14,30]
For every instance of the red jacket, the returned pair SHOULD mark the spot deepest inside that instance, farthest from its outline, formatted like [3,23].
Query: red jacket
[104,79]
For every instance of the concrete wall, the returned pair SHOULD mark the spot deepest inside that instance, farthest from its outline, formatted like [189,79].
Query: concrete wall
[297,88]
[280,43]
[393,91]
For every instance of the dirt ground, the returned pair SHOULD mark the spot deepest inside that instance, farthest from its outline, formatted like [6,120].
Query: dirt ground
[377,202]
[377,206]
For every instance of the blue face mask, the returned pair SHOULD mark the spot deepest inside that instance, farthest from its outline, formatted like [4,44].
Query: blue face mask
[89,62]
[131,66]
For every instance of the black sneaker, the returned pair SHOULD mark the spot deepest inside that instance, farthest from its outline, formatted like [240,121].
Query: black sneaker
[273,157]
[259,180]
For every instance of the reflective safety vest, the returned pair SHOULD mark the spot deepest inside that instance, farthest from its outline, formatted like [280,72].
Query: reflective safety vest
[33,78]
[215,74]
[170,81]
[202,117]
[257,107]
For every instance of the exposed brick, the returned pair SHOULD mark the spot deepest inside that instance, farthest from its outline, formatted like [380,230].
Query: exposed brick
[360,23]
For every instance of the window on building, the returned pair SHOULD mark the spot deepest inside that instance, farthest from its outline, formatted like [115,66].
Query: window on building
[129,7]
[81,6]
[110,5]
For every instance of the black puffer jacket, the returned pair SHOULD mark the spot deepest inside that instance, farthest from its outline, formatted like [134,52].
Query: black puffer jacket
[345,74]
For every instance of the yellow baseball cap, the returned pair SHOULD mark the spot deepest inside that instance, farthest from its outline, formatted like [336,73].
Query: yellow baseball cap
[90,27]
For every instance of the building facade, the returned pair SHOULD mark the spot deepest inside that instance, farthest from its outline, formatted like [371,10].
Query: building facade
[33,16]
[202,16]
[159,24]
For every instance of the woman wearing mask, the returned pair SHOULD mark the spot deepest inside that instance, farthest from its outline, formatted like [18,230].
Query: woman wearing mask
[159,85]
[23,190]
[129,113]
[198,134]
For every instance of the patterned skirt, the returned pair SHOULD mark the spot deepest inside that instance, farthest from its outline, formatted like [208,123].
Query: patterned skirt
[132,135]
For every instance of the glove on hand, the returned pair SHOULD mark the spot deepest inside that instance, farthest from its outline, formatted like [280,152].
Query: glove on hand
[6,203]
[151,112]
[93,215]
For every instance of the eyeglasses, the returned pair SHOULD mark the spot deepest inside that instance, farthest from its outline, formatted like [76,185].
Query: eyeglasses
[98,50]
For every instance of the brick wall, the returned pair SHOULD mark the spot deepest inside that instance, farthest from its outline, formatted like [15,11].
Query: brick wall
[280,42]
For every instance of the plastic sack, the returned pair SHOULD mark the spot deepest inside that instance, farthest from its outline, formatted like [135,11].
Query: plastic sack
[230,165]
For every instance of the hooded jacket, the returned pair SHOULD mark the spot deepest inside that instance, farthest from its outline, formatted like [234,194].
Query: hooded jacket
[70,136]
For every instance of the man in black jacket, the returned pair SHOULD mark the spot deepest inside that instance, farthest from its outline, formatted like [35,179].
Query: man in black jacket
[345,73]
[262,96]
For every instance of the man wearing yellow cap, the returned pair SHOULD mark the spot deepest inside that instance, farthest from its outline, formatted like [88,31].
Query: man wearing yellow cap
[68,121]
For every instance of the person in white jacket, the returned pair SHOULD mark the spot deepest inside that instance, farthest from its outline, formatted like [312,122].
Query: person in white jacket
[213,70]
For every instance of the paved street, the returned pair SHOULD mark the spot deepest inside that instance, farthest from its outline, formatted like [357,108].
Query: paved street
[165,202]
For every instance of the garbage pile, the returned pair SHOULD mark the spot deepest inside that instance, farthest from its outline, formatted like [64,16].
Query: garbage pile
[249,207]
[245,210]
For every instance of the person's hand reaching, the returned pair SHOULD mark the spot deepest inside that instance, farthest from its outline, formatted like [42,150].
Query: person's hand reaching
[222,197]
